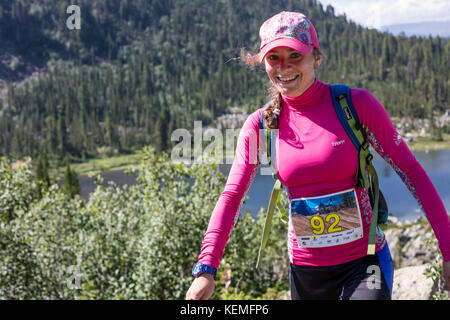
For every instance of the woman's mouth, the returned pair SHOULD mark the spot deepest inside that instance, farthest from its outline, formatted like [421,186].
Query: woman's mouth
[287,79]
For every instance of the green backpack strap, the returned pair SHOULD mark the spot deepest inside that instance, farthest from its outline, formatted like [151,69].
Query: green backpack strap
[366,175]
[373,223]
[274,197]
[271,208]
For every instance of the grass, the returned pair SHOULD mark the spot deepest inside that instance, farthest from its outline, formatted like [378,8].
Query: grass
[119,162]
[430,144]
[403,226]
[123,162]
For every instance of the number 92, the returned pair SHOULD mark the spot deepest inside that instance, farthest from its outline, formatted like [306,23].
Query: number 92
[318,224]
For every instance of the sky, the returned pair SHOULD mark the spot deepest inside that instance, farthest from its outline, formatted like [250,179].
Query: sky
[379,13]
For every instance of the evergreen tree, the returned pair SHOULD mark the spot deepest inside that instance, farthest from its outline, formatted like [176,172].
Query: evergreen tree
[71,186]
[161,134]
[41,173]
[105,85]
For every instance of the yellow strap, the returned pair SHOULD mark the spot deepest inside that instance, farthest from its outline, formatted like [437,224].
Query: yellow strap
[282,209]
[373,224]
[273,200]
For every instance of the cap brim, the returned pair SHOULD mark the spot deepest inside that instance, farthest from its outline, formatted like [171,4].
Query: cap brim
[299,46]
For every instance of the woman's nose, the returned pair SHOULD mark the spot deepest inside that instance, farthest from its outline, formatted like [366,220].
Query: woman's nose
[282,63]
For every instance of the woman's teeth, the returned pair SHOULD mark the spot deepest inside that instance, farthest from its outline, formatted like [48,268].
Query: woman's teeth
[287,79]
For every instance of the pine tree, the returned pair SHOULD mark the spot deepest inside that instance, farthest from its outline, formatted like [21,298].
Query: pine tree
[194,75]
[161,135]
[41,173]
[71,185]
[61,135]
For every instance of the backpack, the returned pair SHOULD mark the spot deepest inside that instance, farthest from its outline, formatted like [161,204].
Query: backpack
[366,173]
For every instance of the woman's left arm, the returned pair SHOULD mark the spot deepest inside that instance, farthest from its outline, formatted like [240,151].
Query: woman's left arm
[389,144]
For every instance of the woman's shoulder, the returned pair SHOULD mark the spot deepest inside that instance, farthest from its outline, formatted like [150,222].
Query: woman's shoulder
[253,119]
[360,93]
[365,102]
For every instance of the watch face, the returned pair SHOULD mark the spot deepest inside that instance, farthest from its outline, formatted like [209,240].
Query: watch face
[197,269]
[201,268]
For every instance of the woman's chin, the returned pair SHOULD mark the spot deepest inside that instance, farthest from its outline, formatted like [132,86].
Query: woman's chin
[290,89]
[290,92]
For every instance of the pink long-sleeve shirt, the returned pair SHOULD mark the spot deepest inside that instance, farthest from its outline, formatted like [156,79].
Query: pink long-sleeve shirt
[314,157]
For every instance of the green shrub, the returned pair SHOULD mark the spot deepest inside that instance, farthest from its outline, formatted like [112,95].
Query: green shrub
[130,242]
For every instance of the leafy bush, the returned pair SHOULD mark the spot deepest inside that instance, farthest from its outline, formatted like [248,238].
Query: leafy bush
[434,272]
[130,242]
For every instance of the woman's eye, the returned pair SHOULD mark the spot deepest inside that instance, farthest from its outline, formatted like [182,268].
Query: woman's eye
[295,55]
[272,57]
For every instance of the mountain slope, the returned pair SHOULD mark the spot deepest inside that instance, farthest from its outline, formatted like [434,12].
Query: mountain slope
[422,29]
[137,70]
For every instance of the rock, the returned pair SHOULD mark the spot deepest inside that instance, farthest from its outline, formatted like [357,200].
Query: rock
[286,295]
[410,129]
[393,240]
[443,120]
[233,119]
[409,137]
[393,220]
[408,243]
[411,256]
[406,221]
[416,252]
[410,283]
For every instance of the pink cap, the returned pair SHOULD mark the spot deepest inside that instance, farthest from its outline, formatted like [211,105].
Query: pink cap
[288,29]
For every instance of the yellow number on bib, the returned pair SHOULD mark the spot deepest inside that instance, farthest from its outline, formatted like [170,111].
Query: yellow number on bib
[319,228]
[333,225]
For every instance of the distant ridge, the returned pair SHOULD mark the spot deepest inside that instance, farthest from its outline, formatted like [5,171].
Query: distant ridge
[421,29]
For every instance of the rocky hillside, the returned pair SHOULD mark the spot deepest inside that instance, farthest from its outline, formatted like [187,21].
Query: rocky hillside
[413,248]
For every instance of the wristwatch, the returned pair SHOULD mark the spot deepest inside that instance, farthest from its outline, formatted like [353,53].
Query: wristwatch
[200,268]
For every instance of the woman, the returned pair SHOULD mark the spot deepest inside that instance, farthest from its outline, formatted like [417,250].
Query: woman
[316,160]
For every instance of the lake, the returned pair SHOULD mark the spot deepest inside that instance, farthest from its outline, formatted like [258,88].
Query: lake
[401,203]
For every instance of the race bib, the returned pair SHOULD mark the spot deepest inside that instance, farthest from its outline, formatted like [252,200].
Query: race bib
[326,221]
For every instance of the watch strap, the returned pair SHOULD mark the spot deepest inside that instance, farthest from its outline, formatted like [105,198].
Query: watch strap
[200,268]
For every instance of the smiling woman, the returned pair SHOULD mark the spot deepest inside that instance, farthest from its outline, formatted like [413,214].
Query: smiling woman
[333,250]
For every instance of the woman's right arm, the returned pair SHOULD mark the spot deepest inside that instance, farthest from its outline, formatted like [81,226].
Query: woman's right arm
[228,206]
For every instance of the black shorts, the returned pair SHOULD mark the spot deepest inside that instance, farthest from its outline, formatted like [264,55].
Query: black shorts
[367,278]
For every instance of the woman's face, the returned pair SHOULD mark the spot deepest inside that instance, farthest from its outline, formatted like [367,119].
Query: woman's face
[290,71]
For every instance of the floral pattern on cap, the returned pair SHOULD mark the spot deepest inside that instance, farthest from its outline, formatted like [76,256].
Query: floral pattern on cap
[286,25]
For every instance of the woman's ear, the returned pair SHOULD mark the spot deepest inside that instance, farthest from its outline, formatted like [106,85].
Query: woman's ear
[317,60]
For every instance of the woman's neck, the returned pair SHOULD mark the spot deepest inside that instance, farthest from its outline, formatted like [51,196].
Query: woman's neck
[311,82]
[307,98]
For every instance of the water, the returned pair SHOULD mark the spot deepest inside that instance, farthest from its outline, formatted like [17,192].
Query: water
[119,177]
[401,203]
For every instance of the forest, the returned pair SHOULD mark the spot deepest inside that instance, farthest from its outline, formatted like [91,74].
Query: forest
[137,70]
[134,72]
